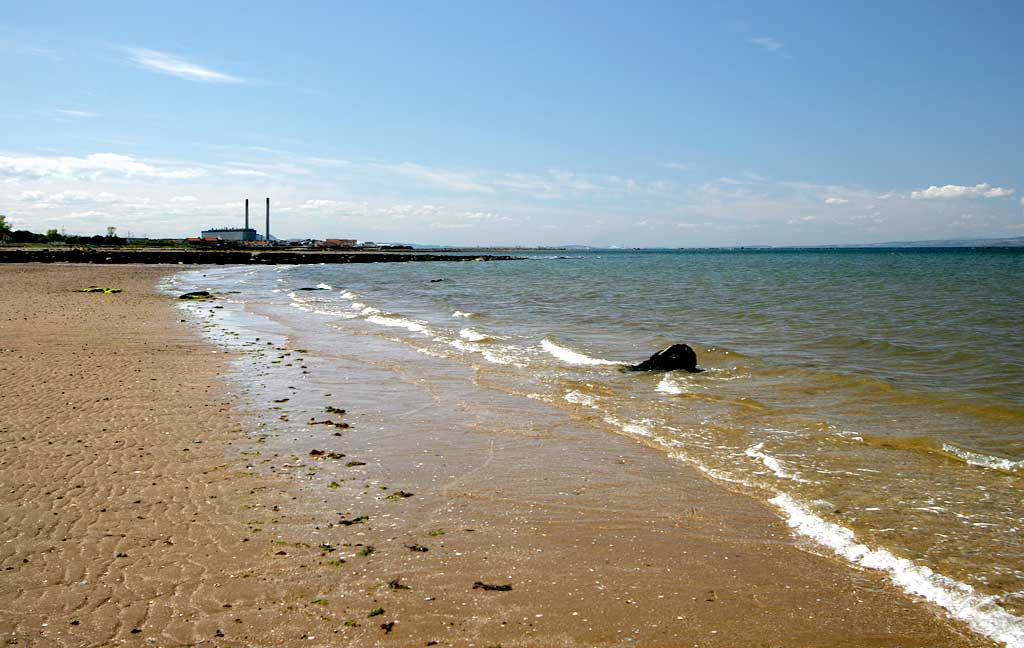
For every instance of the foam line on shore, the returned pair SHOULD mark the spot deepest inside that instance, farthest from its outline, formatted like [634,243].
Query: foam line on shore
[569,356]
[770,462]
[981,613]
[984,460]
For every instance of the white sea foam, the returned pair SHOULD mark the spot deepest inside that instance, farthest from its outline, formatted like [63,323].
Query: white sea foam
[984,460]
[398,322]
[770,462]
[471,335]
[637,428]
[579,398]
[982,613]
[309,309]
[574,357]
[459,313]
[507,355]
[347,294]
[669,386]
[323,286]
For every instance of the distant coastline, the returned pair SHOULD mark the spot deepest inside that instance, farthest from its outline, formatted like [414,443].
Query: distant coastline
[223,257]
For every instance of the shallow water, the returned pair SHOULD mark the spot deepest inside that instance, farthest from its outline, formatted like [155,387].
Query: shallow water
[875,398]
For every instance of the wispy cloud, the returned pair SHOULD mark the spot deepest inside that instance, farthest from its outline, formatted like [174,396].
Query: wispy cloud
[455,180]
[836,201]
[77,113]
[329,162]
[178,67]
[245,172]
[677,166]
[91,167]
[768,43]
[982,190]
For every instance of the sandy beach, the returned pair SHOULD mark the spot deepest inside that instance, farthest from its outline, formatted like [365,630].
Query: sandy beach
[135,514]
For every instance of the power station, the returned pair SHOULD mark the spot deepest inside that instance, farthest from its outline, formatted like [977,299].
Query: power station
[240,234]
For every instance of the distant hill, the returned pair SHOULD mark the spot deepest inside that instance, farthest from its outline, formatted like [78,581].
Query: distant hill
[1015,241]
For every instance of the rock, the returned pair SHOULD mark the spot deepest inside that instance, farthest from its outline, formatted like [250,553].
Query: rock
[198,294]
[676,356]
[492,588]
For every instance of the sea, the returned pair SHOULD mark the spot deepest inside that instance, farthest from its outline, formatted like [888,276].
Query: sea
[874,399]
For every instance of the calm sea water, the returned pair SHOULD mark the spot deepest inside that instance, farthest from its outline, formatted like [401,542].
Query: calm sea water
[874,398]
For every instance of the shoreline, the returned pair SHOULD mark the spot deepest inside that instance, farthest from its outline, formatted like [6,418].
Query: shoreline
[114,256]
[600,538]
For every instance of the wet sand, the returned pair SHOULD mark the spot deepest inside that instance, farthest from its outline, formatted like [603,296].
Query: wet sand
[136,512]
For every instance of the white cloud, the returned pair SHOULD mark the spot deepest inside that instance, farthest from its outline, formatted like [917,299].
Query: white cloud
[79,197]
[836,201]
[983,190]
[768,43]
[244,172]
[77,113]
[91,167]
[801,220]
[456,180]
[184,199]
[178,67]
[86,215]
[329,162]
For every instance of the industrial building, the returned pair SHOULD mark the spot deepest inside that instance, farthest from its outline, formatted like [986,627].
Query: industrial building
[231,234]
[336,243]
[238,234]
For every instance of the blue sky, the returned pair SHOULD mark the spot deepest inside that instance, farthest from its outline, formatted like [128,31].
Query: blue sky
[525,123]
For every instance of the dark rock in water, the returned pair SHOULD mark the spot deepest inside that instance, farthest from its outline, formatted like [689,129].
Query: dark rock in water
[436,280]
[676,356]
[317,288]
[199,294]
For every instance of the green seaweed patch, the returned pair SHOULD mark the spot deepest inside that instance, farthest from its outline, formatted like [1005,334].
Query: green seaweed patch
[356,520]
[353,464]
[397,584]
[417,548]
[375,612]
[337,562]
[397,495]
[351,623]
[334,485]
[99,289]
[334,410]
[320,601]
[366,551]
[326,548]
[435,533]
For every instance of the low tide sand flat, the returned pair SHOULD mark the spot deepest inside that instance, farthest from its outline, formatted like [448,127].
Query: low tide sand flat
[129,516]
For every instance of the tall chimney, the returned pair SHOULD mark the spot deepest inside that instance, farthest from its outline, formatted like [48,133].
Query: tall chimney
[246,213]
[268,220]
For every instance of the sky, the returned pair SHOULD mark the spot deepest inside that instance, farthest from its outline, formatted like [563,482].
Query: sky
[521,123]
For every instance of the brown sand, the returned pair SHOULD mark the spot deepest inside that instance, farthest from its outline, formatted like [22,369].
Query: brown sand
[129,517]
